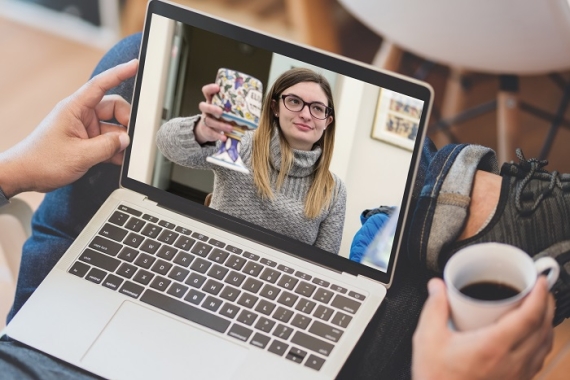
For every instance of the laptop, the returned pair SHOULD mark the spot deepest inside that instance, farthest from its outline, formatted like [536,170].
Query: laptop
[160,285]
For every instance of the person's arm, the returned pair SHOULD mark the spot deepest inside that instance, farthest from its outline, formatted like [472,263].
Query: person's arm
[330,230]
[72,138]
[512,348]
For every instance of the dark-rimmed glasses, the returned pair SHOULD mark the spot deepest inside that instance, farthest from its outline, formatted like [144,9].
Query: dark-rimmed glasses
[295,104]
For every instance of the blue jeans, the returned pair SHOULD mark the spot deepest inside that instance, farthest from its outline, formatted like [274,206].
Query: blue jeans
[385,348]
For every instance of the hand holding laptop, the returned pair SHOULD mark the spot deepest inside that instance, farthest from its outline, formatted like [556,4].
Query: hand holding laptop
[72,138]
[512,348]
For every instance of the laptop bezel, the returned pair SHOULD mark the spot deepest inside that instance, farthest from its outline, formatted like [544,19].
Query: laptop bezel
[341,65]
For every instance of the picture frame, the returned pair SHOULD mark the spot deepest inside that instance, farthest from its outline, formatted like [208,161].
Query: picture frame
[397,119]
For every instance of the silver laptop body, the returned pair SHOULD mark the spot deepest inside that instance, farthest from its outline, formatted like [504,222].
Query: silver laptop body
[130,299]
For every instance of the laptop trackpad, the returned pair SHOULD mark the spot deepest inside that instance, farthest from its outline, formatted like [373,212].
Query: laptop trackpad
[139,343]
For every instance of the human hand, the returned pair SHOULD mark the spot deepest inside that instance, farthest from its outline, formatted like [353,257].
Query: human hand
[72,138]
[512,348]
[211,127]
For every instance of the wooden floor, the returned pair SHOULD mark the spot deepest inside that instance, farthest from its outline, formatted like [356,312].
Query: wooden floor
[38,69]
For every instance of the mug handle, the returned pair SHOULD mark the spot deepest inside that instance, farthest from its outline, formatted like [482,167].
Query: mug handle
[545,263]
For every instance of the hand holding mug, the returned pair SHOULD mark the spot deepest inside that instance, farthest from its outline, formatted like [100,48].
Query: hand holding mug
[211,127]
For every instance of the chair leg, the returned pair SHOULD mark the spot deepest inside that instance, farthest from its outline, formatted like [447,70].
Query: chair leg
[556,122]
[388,56]
[508,138]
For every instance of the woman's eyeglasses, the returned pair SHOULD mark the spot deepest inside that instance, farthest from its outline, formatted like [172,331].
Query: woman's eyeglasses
[317,109]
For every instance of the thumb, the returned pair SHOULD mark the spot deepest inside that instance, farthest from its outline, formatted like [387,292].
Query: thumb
[435,313]
[105,146]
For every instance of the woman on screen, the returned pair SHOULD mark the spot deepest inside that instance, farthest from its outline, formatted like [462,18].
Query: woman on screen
[289,188]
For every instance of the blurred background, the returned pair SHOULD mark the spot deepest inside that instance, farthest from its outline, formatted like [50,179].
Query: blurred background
[501,72]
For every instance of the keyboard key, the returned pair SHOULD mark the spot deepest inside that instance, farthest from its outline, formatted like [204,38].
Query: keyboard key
[303,276]
[166,224]
[229,310]
[151,231]
[247,300]
[144,260]
[341,320]
[107,246]
[177,290]
[282,332]
[287,282]
[285,269]
[182,230]
[79,269]
[252,285]
[314,362]
[112,282]
[168,237]
[269,291]
[287,299]
[235,262]
[195,280]
[160,283]
[113,232]
[143,277]
[301,321]
[201,249]
[240,332]
[150,246]
[186,311]
[183,259]
[305,289]
[161,267]
[320,282]
[305,306]
[282,314]
[233,249]
[339,289]
[325,331]
[346,304]
[218,272]
[264,324]
[200,265]
[166,252]
[128,254]
[253,269]
[126,270]
[212,303]
[135,224]
[251,256]
[246,317]
[200,236]
[184,243]
[133,240]
[216,243]
[323,295]
[230,293]
[99,260]
[129,210]
[269,263]
[131,289]
[177,273]
[357,296]
[323,312]
[118,218]
[194,296]
[259,340]
[212,286]
[150,218]
[270,275]
[234,278]
[296,355]
[96,275]
[218,256]
[265,307]
[278,347]
[311,343]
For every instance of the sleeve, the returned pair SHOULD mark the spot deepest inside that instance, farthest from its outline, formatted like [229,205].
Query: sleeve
[176,140]
[366,234]
[330,230]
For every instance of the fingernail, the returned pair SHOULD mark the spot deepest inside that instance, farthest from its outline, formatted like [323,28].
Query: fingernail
[434,287]
[124,140]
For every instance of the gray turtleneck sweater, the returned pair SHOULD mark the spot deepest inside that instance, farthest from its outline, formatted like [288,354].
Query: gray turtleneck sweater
[235,193]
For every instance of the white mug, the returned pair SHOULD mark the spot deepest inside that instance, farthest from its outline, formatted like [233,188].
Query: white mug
[491,263]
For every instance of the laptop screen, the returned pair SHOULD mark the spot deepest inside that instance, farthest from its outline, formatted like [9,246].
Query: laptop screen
[378,124]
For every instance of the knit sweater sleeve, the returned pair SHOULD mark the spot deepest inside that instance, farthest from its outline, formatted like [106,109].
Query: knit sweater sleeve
[177,142]
[330,230]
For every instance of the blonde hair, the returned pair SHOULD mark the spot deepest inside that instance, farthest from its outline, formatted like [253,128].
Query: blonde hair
[320,194]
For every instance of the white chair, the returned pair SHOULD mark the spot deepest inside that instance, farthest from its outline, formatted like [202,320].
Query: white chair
[15,228]
[512,37]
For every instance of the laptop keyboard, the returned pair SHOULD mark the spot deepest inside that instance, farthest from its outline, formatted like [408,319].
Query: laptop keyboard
[270,305]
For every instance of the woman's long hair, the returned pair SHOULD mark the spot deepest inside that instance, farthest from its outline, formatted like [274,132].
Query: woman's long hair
[320,193]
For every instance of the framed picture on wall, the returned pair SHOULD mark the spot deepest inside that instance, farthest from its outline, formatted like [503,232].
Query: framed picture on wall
[397,119]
